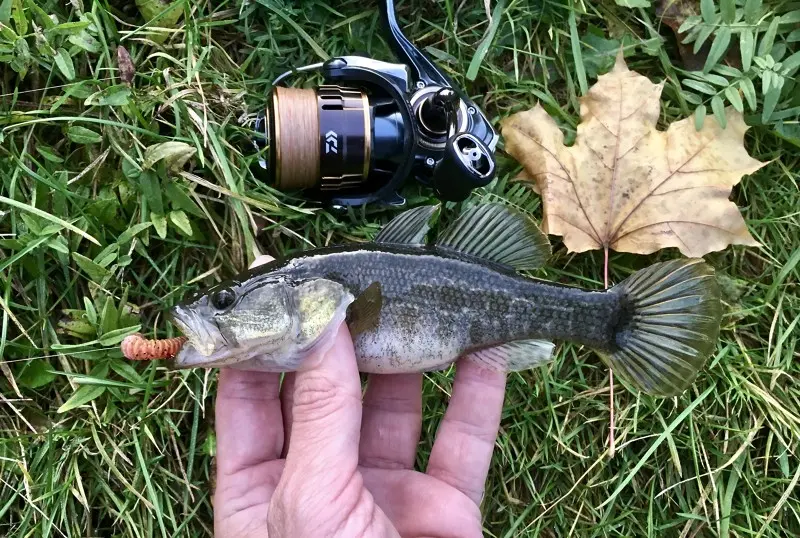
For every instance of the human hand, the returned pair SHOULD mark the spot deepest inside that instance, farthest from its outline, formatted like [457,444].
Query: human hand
[311,459]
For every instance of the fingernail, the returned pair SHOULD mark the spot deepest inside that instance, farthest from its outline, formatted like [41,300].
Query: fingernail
[261,260]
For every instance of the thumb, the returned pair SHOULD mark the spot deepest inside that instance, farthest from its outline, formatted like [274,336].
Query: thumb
[321,492]
[326,417]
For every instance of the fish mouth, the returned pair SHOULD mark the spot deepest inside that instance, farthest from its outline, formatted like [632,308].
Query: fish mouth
[202,347]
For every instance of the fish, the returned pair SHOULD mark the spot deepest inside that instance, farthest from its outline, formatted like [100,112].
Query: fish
[415,303]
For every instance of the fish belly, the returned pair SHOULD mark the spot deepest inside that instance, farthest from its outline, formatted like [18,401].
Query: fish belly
[397,350]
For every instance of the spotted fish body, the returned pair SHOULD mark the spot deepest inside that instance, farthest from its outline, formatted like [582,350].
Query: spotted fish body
[437,305]
[414,306]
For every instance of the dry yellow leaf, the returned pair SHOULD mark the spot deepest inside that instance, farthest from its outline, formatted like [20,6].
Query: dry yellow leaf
[626,186]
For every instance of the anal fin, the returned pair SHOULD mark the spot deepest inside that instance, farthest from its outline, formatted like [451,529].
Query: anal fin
[498,233]
[515,356]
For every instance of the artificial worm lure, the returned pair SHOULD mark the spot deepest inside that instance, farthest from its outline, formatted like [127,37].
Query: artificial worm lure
[138,348]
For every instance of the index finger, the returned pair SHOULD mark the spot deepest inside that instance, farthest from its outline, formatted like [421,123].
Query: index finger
[249,421]
[462,452]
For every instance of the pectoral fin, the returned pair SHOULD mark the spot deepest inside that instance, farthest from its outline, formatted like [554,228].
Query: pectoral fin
[365,312]
[515,356]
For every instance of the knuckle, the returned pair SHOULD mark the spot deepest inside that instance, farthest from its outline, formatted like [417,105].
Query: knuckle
[378,461]
[318,396]
[469,432]
[470,486]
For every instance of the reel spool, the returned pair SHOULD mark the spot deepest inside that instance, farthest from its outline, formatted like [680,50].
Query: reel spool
[331,139]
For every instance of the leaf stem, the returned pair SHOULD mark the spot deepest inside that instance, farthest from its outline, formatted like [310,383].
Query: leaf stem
[611,439]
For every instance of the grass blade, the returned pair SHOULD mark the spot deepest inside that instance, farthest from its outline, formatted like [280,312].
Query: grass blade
[297,28]
[727,499]
[48,216]
[781,502]
[653,447]
[576,52]
[483,48]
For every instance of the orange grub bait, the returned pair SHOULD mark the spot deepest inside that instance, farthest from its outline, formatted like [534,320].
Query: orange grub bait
[138,348]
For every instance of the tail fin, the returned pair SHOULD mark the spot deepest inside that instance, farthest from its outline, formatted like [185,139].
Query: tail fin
[669,328]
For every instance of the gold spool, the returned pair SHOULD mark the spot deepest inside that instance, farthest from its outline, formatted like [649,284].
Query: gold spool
[296,138]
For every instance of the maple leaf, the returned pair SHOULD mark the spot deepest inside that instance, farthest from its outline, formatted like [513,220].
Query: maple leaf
[627,186]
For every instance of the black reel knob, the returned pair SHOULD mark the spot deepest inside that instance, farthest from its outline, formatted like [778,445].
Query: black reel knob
[466,164]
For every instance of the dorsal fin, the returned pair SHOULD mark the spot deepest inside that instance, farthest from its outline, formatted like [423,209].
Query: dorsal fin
[409,227]
[500,234]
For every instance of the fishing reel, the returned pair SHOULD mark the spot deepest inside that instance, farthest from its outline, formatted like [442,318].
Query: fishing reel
[371,126]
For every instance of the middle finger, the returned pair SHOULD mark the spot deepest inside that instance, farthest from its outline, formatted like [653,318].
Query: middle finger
[391,421]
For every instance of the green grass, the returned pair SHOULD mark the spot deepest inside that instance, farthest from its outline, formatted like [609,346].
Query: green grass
[92,445]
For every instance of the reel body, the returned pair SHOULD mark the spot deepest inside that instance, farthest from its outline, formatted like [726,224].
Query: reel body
[373,124]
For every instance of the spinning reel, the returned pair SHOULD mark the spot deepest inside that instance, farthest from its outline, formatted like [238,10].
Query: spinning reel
[357,138]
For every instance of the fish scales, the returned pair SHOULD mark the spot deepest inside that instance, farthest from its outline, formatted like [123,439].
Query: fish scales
[438,305]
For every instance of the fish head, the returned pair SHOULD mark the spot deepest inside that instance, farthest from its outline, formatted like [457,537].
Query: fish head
[270,322]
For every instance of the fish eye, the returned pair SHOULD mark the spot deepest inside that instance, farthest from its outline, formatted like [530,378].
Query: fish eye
[222,299]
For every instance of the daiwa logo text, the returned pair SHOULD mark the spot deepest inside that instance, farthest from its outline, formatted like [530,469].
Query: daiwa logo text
[331,142]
